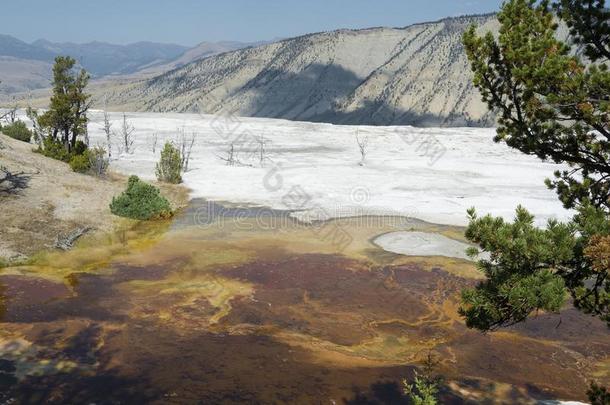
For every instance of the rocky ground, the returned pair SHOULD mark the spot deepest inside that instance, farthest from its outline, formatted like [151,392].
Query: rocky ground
[49,199]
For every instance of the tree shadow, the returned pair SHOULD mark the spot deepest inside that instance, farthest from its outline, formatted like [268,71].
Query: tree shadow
[13,183]
[77,386]
[379,393]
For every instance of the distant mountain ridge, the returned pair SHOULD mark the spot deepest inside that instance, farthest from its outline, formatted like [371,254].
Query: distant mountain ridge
[13,47]
[417,75]
[99,58]
[199,51]
[27,66]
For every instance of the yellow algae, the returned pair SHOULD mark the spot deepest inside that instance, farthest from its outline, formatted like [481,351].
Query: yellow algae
[199,278]
[187,292]
[456,267]
[93,254]
[601,369]
[243,295]
[298,238]
[382,350]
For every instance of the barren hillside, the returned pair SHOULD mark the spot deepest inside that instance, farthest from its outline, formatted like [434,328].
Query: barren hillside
[416,75]
[46,199]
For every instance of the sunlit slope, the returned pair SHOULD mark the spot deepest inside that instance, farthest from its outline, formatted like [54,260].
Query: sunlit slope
[416,75]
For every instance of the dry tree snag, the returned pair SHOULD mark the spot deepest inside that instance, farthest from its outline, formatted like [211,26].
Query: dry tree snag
[363,143]
[66,242]
[262,150]
[231,158]
[10,116]
[186,147]
[154,139]
[127,131]
[107,127]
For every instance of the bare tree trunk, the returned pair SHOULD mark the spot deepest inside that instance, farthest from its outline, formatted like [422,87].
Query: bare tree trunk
[231,158]
[10,116]
[262,150]
[108,132]
[154,141]
[186,147]
[362,146]
[127,131]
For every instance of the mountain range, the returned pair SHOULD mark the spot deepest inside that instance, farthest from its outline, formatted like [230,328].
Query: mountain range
[27,66]
[418,75]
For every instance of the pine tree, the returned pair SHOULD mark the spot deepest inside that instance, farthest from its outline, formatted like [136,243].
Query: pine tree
[555,105]
[170,165]
[66,118]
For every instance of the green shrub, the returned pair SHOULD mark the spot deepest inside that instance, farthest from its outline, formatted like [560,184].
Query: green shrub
[80,148]
[18,130]
[141,201]
[80,163]
[54,149]
[98,161]
[169,167]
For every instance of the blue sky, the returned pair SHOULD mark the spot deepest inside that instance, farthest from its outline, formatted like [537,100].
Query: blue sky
[189,22]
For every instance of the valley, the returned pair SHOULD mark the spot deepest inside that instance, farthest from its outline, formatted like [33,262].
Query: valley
[388,203]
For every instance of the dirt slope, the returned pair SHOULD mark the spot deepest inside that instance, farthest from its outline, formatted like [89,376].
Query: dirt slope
[55,200]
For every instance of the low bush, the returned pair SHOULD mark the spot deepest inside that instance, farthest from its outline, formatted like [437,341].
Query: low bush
[18,130]
[78,158]
[80,163]
[169,167]
[141,201]
[98,161]
[54,149]
[80,148]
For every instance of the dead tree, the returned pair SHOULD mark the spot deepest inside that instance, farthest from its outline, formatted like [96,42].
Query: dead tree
[10,116]
[363,143]
[86,136]
[262,150]
[98,161]
[231,158]
[153,142]
[127,131]
[107,127]
[66,242]
[186,147]
[37,130]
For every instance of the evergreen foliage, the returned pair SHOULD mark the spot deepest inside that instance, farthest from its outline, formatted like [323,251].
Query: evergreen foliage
[598,395]
[17,130]
[66,119]
[170,165]
[425,387]
[80,163]
[141,201]
[54,149]
[79,158]
[521,271]
[555,105]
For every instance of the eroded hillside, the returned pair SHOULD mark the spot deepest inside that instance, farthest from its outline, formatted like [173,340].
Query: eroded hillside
[417,75]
